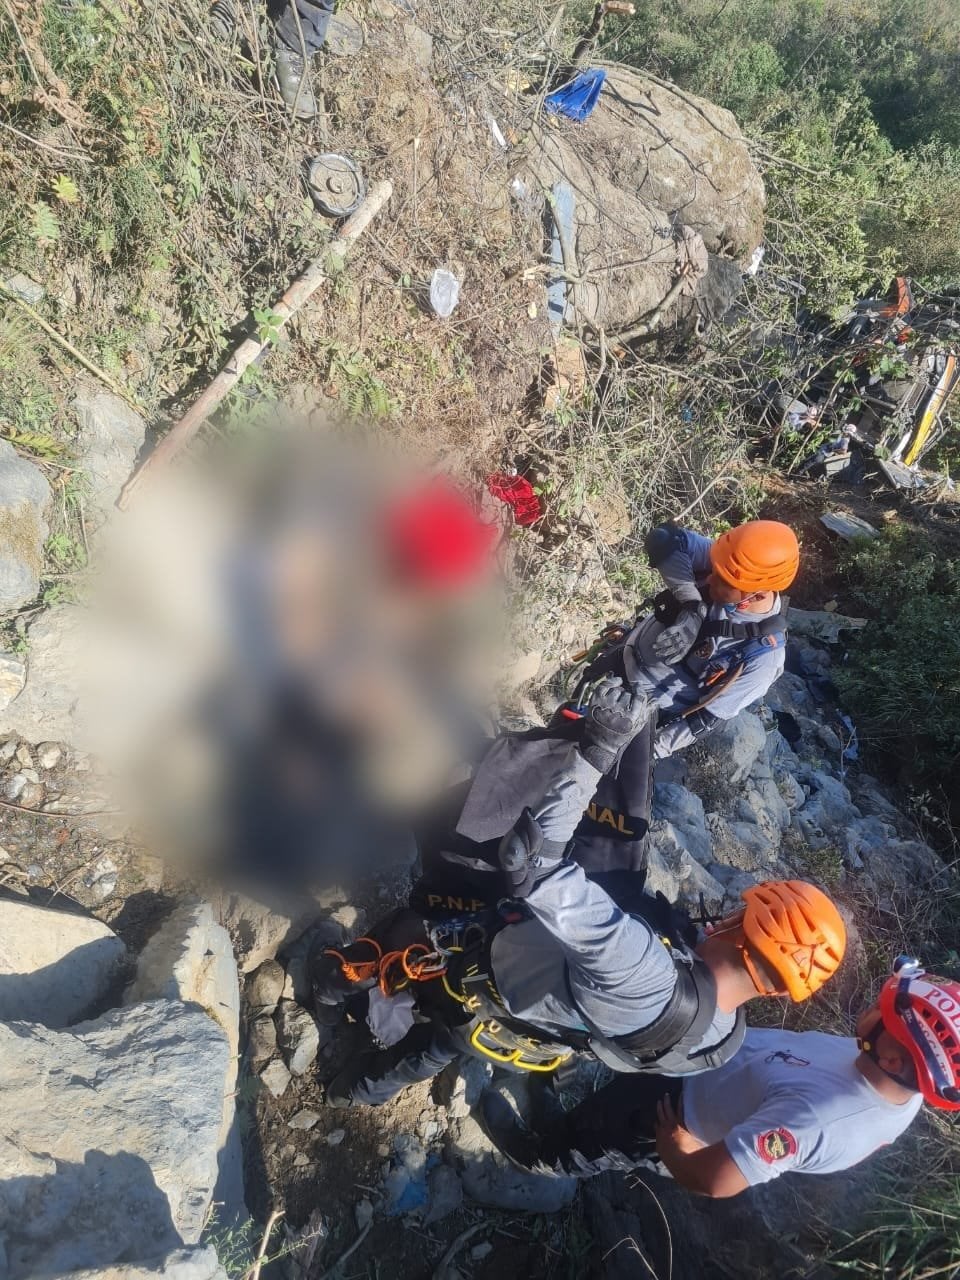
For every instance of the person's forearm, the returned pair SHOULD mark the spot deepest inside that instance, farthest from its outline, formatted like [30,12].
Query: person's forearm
[567,796]
[707,1171]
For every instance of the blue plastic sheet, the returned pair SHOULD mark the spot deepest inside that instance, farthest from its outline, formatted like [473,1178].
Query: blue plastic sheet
[578,98]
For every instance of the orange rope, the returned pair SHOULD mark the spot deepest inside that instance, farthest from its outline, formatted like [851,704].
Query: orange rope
[412,968]
[358,970]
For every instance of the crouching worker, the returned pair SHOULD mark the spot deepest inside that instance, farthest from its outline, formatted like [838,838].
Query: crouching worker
[803,1102]
[713,644]
[564,969]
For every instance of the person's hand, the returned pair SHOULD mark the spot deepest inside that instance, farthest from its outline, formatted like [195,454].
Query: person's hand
[615,716]
[520,855]
[672,1137]
[675,642]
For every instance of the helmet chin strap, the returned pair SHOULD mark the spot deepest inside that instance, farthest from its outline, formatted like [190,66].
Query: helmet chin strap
[868,1046]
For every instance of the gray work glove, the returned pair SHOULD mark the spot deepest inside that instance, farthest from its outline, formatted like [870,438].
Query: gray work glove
[614,717]
[521,855]
[676,642]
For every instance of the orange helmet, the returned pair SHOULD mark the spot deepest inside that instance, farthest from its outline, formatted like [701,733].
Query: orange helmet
[798,933]
[763,555]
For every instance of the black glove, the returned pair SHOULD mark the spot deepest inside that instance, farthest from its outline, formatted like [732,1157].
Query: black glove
[520,855]
[675,642]
[614,718]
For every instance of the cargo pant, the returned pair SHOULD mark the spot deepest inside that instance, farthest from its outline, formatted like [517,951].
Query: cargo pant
[313,16]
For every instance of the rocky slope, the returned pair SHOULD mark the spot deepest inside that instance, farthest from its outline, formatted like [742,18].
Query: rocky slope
[123,1128]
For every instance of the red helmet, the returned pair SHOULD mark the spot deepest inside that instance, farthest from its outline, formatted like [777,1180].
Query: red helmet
[923,1013]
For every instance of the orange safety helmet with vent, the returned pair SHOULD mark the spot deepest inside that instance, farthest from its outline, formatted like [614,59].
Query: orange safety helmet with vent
[922,1012]
[763,555]
[796,931]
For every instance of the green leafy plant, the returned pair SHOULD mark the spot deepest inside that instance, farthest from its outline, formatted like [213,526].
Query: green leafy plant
[44,226]
[268,325]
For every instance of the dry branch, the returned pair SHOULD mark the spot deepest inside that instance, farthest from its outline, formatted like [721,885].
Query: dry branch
[305,285]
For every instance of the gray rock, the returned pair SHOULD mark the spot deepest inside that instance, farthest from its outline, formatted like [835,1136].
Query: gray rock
[791,694]
[199,1263]
[24,499]
[264,988]
[670,859]
[735,745]
[819,624]
[757,844]
[762,802]
[111,434]
[461,1084]
[261,1039]
[111,1133]
[305,1119]
[662,876]
[869,796]
[49,754]
[48,706]
[102,877]
[832,796]
[684,811]
[261,931]
[276,1077]
[334,1138]
[8,750]
[297,1036]
[901,862]
[13,675]
[848,527]
[733,879]
[55,967]
[190,958]
[791,790]
[490,1180]
[862,837]
[25,288]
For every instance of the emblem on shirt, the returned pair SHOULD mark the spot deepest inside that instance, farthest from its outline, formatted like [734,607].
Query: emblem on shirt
[776,1144]
[791,1059]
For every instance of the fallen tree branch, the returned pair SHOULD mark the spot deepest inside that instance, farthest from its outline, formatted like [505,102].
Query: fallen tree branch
[61,341]
[254,1272]
[305,285]
[331,1271]
[442,1271]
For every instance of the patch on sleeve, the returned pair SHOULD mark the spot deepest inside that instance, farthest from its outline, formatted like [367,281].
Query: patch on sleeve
[776,1144]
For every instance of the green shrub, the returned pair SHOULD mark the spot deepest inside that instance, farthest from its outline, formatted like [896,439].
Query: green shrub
[902,677]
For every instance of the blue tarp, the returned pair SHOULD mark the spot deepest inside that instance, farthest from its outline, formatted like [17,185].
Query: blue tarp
[578,98]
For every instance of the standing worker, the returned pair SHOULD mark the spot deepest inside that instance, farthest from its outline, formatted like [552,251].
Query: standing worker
[713,644]
[804,1102]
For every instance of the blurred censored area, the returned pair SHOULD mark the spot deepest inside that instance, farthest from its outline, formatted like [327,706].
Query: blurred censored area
[288,657]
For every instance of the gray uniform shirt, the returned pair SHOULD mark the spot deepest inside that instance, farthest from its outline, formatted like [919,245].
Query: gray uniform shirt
[793,1100]
[673,687]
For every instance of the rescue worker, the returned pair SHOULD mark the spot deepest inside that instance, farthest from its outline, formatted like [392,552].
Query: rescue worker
[714,644]
[804,1102]
[301,29]
[574,971]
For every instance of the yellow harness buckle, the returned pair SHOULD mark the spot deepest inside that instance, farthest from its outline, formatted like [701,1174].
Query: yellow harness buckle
[511,1057]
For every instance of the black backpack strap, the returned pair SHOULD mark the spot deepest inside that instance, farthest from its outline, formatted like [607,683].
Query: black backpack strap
[666,1044]
[718,1054]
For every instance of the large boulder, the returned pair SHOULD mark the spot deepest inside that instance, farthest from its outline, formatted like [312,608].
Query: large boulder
[679,153]
[24,499]
[55,966]
[111,1135]
[190,959]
